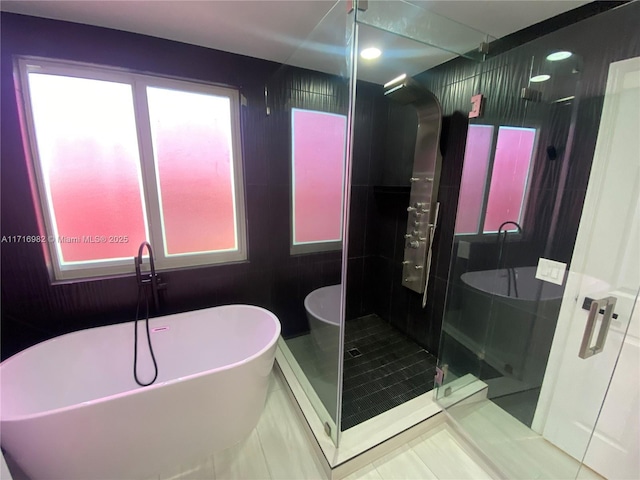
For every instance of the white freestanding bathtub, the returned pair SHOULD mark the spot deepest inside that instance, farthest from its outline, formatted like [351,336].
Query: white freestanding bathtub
[71,408]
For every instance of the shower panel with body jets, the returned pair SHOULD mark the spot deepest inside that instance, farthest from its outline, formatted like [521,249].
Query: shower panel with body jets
[423,208]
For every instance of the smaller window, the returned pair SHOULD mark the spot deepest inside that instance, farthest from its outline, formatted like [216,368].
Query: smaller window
[481,209]
[318,154]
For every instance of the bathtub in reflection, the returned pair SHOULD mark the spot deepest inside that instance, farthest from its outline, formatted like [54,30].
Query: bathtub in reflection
[518,284]
[323,312]
[316,353]
[507,318]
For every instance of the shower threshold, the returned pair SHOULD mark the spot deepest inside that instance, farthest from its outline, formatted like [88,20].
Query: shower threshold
[367,441]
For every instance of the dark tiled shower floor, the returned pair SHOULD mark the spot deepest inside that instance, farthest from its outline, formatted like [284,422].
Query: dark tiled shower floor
[391,370]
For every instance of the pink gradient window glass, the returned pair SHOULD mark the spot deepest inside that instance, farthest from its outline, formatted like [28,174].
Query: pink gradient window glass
[474,176]
[111,148]
[193,151]
[318,159]
[511,165]
[90,165]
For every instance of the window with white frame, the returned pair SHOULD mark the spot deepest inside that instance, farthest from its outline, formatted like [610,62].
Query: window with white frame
[494,181]
[121,158]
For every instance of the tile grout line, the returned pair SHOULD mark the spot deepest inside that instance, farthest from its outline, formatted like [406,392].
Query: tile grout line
[213,466]
[421,437]
[264,454]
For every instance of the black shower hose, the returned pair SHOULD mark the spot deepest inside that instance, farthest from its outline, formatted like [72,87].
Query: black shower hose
[141,288]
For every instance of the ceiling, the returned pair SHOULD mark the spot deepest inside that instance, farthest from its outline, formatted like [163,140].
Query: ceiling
[308,34]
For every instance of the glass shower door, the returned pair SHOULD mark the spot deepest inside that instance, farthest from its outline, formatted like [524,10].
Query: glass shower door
[307,107]
[603,324]
[388,360]
[530,347]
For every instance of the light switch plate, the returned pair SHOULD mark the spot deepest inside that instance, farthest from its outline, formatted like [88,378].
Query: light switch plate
[551,271]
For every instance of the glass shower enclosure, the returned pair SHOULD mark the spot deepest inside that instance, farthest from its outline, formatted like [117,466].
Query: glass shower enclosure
[525,319]
[307,101]
[401,179]
[540,329]
[349,325]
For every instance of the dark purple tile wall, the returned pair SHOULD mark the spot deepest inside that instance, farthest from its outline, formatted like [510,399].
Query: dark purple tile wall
[33,309]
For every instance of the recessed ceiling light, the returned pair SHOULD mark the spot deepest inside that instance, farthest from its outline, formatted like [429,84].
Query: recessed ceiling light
[556,56]
[370,53]
[540,78]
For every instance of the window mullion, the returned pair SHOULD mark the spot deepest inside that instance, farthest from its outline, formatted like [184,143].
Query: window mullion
[527,182]
[149,179]
[487,181]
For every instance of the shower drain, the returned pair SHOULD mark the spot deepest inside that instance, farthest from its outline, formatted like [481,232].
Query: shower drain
[354,352]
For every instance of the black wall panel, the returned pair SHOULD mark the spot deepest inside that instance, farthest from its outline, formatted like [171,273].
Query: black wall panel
[33,309]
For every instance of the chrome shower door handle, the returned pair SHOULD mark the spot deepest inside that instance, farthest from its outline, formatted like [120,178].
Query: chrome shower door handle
[608,304]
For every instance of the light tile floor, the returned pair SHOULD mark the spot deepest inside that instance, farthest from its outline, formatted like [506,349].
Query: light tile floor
[279,449]
[517,451]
